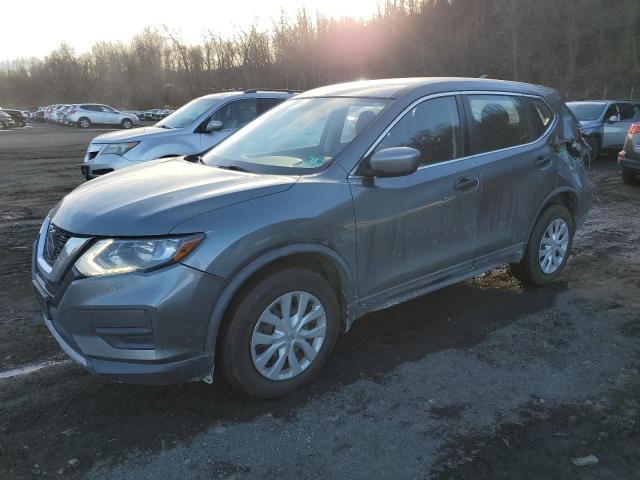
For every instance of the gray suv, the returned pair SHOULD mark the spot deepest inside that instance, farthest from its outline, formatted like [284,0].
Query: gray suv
[193,128]
[344,200]
[605,123]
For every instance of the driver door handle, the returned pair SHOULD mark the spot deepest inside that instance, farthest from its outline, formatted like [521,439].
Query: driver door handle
[465,184]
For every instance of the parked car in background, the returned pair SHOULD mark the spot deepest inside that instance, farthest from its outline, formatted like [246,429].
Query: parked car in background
[197,126]
[57,113]
[5,121]
[604,123]
[255,255]
[64,115]
[18,116]
[86,114]
[37,116]
[629,157]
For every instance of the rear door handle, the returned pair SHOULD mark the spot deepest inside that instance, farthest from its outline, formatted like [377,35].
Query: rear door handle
[543,162]
[464,184]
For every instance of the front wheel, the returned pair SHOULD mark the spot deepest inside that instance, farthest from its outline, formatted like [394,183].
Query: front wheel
[126,123]
[548,248]
[2,126]
[279,334]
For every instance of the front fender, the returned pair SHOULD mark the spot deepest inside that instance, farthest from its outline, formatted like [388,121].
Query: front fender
[241,277]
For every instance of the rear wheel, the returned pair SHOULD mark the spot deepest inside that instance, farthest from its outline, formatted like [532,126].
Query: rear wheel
[84,122]
[629,177]
[126,123]
[548,247]
[3,125]
[279,334]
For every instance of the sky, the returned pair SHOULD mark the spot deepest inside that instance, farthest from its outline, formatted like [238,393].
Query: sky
[36,27]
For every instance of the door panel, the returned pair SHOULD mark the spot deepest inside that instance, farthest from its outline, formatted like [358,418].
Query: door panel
[515,178]
[411,227]
[615,133]
[414,229]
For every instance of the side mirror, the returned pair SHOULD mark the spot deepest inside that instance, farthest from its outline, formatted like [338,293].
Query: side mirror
[612,119]
[213,126]
[394,162]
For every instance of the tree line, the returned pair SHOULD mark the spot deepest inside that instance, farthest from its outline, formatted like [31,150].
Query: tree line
[583,48]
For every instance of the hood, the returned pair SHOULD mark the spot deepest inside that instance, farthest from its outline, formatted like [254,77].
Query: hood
[154,197]
[134,135]
[589,123]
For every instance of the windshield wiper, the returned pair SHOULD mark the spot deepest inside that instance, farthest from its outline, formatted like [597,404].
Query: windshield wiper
[164,126]
[235,168]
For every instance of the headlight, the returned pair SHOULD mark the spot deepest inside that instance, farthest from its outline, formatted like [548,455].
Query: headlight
[118,148]
[112,256]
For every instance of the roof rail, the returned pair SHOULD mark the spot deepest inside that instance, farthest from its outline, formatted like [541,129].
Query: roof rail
[283,90]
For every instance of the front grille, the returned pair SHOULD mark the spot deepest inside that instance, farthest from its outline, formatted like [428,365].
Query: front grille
[54,242]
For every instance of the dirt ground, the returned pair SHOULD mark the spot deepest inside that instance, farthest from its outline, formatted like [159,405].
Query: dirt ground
[481,380]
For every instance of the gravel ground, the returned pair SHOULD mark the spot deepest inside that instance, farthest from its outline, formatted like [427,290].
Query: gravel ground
[484,379]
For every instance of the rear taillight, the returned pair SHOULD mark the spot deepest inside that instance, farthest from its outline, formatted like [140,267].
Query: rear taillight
[634,128]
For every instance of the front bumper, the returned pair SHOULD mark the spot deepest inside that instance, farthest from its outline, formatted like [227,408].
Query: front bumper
[146,327]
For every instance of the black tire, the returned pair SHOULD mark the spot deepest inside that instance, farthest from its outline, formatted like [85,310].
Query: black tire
[126,123]
[2,126]
[528,270]
[594,144]
[234,341]
[629,177]
[84,122]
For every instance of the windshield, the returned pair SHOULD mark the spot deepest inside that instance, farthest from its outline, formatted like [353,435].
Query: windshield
[586,111]
[187,114]
[297,136]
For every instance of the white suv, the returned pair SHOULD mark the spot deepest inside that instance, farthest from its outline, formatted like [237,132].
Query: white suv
[86,114]
[193,128]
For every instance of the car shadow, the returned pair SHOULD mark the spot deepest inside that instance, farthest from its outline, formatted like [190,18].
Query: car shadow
[109,421]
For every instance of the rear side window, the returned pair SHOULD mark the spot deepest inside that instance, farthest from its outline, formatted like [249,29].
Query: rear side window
[628,112]
[433,127]
[540,116]
[498,122]
[265,104]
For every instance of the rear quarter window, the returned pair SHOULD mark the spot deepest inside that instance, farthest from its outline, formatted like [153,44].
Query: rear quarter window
[540,116]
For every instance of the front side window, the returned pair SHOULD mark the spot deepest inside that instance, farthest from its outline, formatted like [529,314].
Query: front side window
[298,136]
[498,122]
[612,111]
[237,114]
[432,127]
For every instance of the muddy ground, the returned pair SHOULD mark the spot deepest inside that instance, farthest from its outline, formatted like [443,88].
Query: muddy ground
[481,380]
